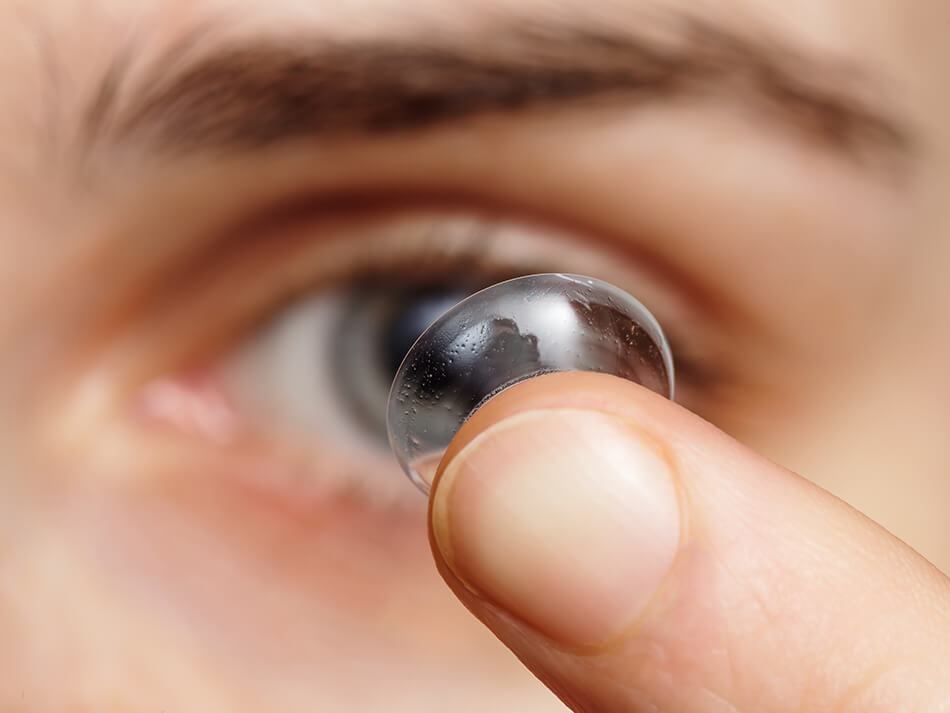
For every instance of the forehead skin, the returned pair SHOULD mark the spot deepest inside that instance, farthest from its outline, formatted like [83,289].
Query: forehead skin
[171,600]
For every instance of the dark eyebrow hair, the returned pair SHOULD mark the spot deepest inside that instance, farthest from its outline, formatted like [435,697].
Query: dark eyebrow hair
[250,96]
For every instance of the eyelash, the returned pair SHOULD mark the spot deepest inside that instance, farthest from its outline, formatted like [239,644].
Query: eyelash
[476,259]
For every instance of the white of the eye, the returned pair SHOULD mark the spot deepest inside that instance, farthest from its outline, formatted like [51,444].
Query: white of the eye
[283,378]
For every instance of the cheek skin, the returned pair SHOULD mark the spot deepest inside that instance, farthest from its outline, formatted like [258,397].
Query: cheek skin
[235,598]
[240,566]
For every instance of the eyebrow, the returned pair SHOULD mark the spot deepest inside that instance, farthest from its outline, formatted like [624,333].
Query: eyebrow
[246,97]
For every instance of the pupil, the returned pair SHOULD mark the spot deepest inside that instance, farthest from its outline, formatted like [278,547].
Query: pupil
[409,320]
[378,326]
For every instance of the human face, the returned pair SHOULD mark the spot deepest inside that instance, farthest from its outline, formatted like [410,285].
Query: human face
[196,512]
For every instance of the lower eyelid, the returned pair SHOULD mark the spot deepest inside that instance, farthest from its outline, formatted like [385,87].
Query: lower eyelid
[294,469]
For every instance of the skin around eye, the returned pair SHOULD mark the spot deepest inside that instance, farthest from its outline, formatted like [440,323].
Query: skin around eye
[308,385]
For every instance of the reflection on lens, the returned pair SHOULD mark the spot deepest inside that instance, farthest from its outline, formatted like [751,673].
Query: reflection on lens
[505,334]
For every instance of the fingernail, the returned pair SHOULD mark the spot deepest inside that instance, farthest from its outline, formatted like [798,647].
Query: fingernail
[567,519]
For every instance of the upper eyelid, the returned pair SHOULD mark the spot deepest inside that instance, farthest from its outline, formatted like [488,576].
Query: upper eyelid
[379,251]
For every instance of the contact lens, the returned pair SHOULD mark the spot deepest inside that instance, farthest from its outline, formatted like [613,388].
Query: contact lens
[508,333]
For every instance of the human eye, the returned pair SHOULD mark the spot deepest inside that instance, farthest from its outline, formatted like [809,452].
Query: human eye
[304,380]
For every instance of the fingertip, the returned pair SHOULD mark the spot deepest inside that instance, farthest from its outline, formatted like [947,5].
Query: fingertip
[567,518]
[616,542]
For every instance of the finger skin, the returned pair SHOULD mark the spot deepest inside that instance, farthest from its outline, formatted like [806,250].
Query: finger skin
[781,597]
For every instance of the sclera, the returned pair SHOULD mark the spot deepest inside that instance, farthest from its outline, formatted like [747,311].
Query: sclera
[507,333]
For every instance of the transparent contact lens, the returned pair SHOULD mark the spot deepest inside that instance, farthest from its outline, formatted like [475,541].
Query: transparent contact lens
[508,333]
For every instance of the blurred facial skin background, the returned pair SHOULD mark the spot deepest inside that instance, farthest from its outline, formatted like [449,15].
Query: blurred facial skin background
[222,222]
